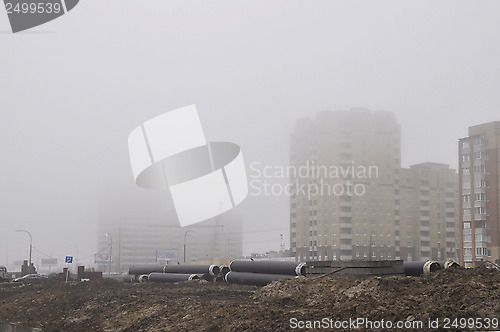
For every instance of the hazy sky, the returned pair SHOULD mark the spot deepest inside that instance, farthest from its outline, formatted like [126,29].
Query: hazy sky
[73,89]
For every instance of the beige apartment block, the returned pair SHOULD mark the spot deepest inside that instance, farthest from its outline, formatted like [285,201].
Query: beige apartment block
[347,201]
[479,162]
[428,213]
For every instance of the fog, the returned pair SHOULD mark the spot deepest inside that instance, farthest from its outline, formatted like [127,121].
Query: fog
[73,89]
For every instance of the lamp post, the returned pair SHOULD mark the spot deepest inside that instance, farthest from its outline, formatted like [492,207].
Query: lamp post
[110,252]
[31,243]
[76,254]
[184,251]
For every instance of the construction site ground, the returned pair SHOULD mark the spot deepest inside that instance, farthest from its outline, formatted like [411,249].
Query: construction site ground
[109,305]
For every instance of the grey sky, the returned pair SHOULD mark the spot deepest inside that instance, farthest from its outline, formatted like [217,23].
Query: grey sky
[73,89]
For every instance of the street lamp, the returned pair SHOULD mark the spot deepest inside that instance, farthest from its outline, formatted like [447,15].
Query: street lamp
[110,252]
[184,251]
[31,243]
[76,254]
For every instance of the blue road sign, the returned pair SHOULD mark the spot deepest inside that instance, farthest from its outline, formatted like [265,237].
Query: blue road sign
[69,259]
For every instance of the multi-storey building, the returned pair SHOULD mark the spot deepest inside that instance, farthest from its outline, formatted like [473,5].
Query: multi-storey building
[428,212]
[479,162]
[354,156]
[348,203]
[151,241]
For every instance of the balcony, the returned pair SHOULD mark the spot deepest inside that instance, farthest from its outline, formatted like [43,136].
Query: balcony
[345,225]
[346,236]
[480,217]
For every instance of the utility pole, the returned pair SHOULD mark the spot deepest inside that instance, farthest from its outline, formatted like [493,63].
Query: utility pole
[31,244]
[184,250]
[110,252]
[76,255]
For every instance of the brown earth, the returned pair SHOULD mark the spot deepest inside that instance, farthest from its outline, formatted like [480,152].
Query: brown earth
[109,305]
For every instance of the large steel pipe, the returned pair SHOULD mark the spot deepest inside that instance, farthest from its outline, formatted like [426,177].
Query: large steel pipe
[172,277]
[224,270]
[416,269]
[129,278]
[138,270]
[212,270]
[257,279]
[143,278]
[447,264]
[269,267]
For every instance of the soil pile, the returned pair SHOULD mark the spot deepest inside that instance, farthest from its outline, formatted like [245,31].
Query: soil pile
[109,305]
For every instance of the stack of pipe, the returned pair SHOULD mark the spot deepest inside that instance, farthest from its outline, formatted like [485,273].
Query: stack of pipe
[261,273]
[416,269]
[448,264]
[224,269]
[172,273]
[171,277]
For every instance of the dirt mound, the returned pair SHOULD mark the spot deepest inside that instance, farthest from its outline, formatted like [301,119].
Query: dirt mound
[453,293]
[109,305]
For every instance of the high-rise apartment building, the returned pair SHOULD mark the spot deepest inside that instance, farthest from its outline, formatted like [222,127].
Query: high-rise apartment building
[352,199]
[479,190]
[353,159]
[428,195]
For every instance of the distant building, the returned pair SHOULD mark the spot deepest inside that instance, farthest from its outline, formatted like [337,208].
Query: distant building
[356,218]
[479,169]
[358,203]
[144,241]
[428,201]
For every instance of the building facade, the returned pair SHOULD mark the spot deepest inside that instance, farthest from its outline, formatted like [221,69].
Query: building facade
[428,200]
[348,199]
[152,241]
[478,186]
[355,157]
